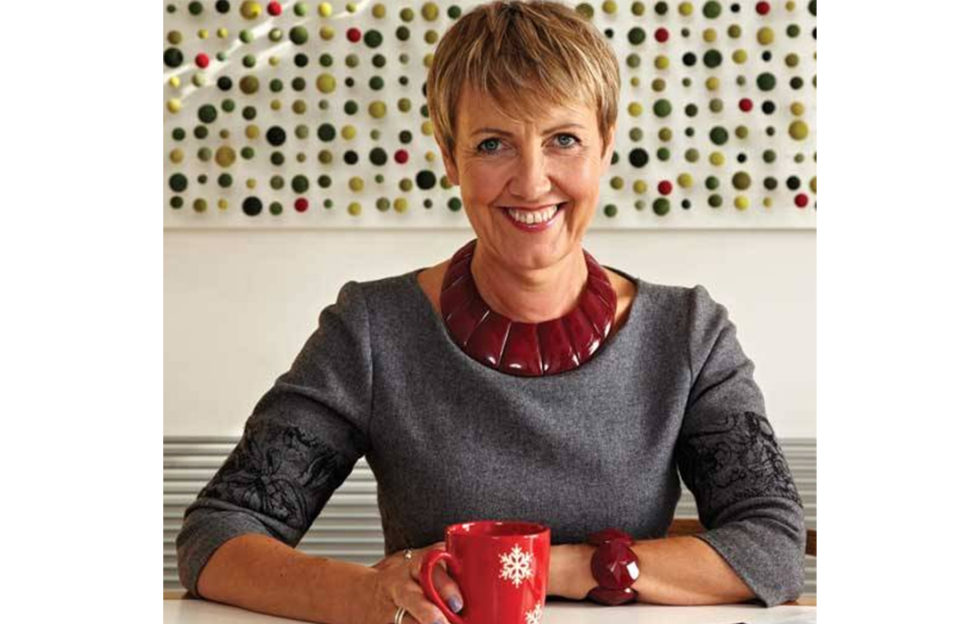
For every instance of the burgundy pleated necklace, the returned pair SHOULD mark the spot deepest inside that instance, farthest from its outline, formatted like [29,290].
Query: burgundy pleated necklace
[526,349]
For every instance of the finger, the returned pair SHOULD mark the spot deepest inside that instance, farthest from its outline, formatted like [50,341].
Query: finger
[448,589]
[420,608]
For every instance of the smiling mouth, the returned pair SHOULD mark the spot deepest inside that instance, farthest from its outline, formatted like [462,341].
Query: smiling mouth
[534,217]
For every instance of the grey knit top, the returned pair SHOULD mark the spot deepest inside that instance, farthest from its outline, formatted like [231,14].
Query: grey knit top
[671,395]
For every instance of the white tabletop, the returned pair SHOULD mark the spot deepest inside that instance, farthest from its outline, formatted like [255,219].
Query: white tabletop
[192,611]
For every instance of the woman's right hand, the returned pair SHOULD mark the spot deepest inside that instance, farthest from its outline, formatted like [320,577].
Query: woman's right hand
[397,584]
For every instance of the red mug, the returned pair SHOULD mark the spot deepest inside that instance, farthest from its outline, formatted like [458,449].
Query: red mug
[501,568]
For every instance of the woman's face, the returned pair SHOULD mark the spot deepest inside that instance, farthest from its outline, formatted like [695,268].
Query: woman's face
[500,164]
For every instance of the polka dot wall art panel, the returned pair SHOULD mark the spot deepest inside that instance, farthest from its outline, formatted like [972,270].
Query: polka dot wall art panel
[314,115]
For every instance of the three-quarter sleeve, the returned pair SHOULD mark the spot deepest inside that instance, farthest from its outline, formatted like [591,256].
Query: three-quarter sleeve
[299,444]
[729,458]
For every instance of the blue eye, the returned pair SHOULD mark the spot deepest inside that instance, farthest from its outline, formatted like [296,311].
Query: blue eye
[576,140]
[482,149]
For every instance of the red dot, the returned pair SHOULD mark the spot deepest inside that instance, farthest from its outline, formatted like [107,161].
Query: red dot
[274,8]
[665,187]
[400,156]
[745,105]
[763,8]
[202,60]
[301,204]
[801,200]
[353,34]
[661,35]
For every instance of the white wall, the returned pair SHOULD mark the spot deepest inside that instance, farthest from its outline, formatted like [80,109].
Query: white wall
[238,305]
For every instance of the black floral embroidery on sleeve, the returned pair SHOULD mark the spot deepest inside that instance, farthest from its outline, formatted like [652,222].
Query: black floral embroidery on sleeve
[735,459]
[280,471]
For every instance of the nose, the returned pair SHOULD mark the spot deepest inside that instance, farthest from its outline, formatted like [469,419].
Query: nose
[531,178]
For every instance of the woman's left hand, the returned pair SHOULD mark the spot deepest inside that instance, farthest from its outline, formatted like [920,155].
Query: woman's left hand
[570,571]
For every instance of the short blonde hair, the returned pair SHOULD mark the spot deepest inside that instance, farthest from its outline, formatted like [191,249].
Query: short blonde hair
[528,56]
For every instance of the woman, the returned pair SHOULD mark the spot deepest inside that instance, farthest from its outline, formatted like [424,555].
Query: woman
[517,379]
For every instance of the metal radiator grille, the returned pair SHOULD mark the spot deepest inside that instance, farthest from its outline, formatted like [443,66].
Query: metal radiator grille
[349,526]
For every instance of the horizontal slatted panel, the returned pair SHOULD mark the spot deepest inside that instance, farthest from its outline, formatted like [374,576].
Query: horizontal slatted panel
[349,527]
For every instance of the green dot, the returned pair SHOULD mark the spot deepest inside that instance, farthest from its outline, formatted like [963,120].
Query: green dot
[766,81]
[741,180]
[407,14]
[247,152]
[610,210]
[301,9]
[298,35]
[454,204]
[195,8]
[176,202]
[716,105]
[584,9]
[249,84]
[636,36]
[225,180]
[715,201]
[277,182]
[662,108]
[351,60]
[454,11]
[660,206]
[633,60]
[635,134]
[172,57]
[300,184]
[692,155]
[712,58]
[204,154]
[373,39]
[246,36]
[350,107]
[662,154]
[227,105]
[718,135]
[793,30]
[769,156]
[711,9]
[248,60]
[275,208]
[275,34]
[712,183]
[383,204]
[741,132]
[178,182]
[179,134]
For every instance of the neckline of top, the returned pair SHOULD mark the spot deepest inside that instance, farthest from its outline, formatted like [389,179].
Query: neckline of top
[598,359]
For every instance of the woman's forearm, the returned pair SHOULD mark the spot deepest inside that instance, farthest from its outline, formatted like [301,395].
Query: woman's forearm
[259,573]
[675,570]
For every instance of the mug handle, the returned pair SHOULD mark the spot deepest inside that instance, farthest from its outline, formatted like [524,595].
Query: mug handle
[431,559]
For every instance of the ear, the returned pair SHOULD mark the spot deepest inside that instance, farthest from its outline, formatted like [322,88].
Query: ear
[451,169]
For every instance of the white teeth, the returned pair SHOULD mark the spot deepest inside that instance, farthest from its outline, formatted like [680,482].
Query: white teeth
[535,216]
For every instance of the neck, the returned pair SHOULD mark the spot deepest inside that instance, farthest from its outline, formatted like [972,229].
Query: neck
[530,296]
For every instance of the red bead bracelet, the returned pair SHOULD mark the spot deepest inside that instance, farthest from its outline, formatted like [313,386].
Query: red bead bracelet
[614,566]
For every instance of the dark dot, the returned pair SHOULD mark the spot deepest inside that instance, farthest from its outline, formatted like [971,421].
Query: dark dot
[350,107]
[715,201]
[195,8]
[300,184]
[350,157]
[373,38]
[638,157]
[770,183]
[691,110]
[796,83]
[636,36]
[202,178]
[326,132]
[425,180]
[712,58]
[684,32]
[403,81]
[454,11]
[277,159]
[614,158]
[349,81]
[247,152]
[814,33]
[402,33]
[301,60]
[326,60]
[200,132]
[176,202]
[766,81]
[298,83]
[690,132]
[768,107]
[609,33]
[275,85]
[424,110]
[793,183]
[811,7]
[378,156]
[324,181]
[766,55]
[275,135]
[685,204]
[222,6]
[735,7]
[172,57]
[378,60]
[610,210]
[227,106]
[793,30]
[249,112]
[718,135]
[689,59]
[769,131]
[741,157]
[712,183]
[178,183]
[404,136]
[179,134]
[224,180]
[661,8]
[251,206]
[376,83]
[454,204]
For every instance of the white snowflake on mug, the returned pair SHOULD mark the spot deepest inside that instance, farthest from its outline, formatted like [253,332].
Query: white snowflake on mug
[516,565]
[535,616]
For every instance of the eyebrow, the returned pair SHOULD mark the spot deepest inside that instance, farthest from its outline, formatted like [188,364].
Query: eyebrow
[547,131]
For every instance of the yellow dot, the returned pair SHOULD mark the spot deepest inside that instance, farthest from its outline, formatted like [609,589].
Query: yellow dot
[634,109]
[176,156]
[348,132]
[173,105]
[327,33]
[251,183]
[797,109]
[174,81]
[798,130]
[252,131]
[685,9]
[250,10]
[199,79]
[429,58]
[326,83]
[356,183]
[790,5]
[635,81]
[276,105]
[354,209]
[351,7]
[445,183]
[717,159]
[426,127]
[767,202]
[377,109]
[812,185]
[712,83]
[709,35]
[325,9]
[765,36]
[200,204]
[741,203]
[640,186]
[222,33]
[225,156]
[617,183]
[665,134]
[400,205]
[740,56]
[609,6]
[685,180]
[299,107]
[203,34]
[661,62]
[379,11]
[222,204]
[273,61]
[430,156]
